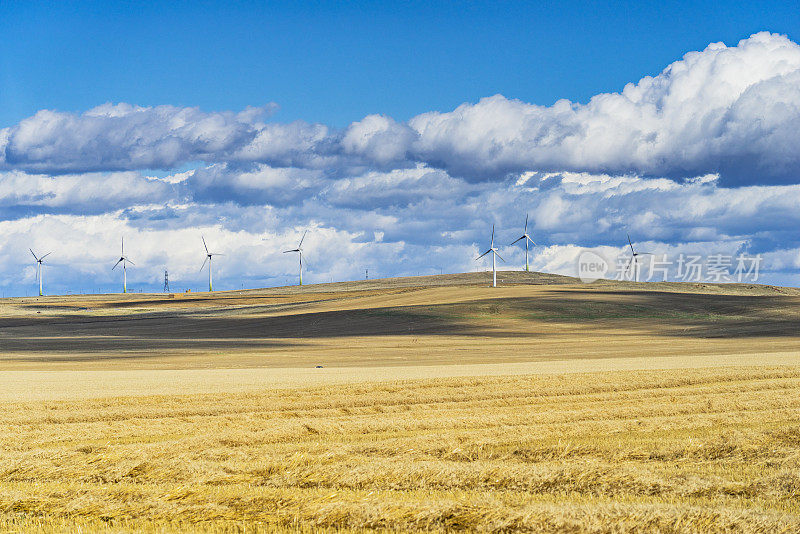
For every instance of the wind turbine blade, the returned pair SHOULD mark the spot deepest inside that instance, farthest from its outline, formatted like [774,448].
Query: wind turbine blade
[43,257]
[492,236]
[129,261]
[531,240]
[484,254]
[302,238]
[293,250]
[526,223]
[499,256]
[34,255]
[631,244]
[123,247]
[204,264]
[115,265]
[204,243]
[520,239]
[627,267]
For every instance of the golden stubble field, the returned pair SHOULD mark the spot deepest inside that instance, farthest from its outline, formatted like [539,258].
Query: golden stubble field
[704,450]
[541,406]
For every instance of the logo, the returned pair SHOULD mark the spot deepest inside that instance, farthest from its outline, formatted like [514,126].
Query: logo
[591,266]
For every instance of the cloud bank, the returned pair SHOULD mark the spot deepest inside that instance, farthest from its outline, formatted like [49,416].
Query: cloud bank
[732,111]
[704,154]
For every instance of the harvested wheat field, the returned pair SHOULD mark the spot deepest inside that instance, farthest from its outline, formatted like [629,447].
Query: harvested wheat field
[640,451]
[441,405]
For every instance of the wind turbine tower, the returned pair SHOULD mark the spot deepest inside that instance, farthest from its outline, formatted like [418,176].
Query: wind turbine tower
[39,269]
[299,251]
[495,255]
[209,255]
[527,239]
[124,261]
[634,260]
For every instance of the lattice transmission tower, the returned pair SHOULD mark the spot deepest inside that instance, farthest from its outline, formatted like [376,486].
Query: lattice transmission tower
[166,281]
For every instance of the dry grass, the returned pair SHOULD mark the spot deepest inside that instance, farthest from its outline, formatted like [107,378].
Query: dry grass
[385,323]
[703,450]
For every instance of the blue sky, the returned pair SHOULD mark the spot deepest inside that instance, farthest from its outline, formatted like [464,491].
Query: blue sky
[396,135]
[335,62]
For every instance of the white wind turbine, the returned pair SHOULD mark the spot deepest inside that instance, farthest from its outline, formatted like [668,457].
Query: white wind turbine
[495,255]
[299,251]
[634,260]
[39,269]
[208,259]
[124,260]
[527,239]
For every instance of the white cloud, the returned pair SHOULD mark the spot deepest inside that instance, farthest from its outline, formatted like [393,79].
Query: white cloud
[84,193]
[85,248]
[260,184]
[296,144]
[394,188]
[123,137]
[378,138]
[732,111]
[438,230]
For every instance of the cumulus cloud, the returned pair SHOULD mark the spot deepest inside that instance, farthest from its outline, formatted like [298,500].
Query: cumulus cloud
[439,225]
[732,111]
[124,137]
[260,184]
[379,139]
[84,193]
[398,187]
[84,248]
[296,144]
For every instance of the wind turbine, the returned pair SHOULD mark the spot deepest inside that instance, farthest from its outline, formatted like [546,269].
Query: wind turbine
[124,260]
[634,260]
[495,255]
[39,269]
[208,259]
[527,239]
[299,250]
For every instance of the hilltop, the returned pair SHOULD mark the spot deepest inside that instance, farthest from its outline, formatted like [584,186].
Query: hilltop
[449,319]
